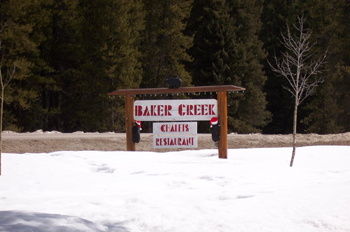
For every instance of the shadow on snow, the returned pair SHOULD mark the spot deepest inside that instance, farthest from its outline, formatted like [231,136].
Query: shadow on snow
[18,221]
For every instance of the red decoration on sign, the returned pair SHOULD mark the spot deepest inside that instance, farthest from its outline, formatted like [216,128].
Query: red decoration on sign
[213,121]
[138,123]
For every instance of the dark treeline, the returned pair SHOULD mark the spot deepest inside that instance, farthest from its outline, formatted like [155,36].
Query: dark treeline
[70,53]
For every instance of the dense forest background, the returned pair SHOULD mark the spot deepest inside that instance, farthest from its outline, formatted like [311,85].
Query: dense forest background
[70,53]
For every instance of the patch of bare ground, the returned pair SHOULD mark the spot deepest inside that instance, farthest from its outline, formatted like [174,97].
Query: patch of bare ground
[43,142]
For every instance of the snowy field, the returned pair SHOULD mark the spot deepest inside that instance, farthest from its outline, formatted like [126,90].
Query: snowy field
[254,190]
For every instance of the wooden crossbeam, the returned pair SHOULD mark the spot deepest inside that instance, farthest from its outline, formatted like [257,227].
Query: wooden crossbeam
[195,89]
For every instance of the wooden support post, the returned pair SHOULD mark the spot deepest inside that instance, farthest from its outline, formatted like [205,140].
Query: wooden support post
[222,116]
[129,121]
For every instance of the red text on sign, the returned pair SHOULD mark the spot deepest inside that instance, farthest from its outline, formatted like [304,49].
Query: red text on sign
[197,109]
[153,110]
[174,142]
[174,128]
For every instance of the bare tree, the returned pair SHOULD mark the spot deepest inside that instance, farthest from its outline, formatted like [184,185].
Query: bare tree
[296,67]
[4,81]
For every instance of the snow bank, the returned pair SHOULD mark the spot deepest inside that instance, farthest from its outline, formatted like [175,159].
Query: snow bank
[253,190]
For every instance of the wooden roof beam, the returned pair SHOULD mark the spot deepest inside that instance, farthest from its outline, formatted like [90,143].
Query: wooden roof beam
[194,89]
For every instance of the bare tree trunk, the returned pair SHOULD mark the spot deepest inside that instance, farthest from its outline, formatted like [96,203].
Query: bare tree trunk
[301,83]
[294,130]
[4,82]
[1,115]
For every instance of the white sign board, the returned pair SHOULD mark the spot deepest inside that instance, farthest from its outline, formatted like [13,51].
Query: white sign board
[175,135]
[171,128]
[175,110]
[180,141]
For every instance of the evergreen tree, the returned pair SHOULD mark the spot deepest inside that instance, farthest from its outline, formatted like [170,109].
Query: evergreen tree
[70,54]
[123,54]
[214,43]
[164,46]
[106,58]
[275,15]
[53,33]
[325,111]
[324,107]
[329,108]
[20,42]
[227,51]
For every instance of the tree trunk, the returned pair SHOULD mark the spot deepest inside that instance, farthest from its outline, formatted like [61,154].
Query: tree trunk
[294,130]
[1,115]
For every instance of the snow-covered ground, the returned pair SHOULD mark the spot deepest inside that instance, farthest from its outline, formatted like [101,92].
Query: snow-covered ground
[253,190]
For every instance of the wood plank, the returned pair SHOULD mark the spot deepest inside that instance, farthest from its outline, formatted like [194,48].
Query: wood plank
[195,89]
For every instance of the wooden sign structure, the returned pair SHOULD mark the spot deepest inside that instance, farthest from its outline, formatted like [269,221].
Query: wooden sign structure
[221,91]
